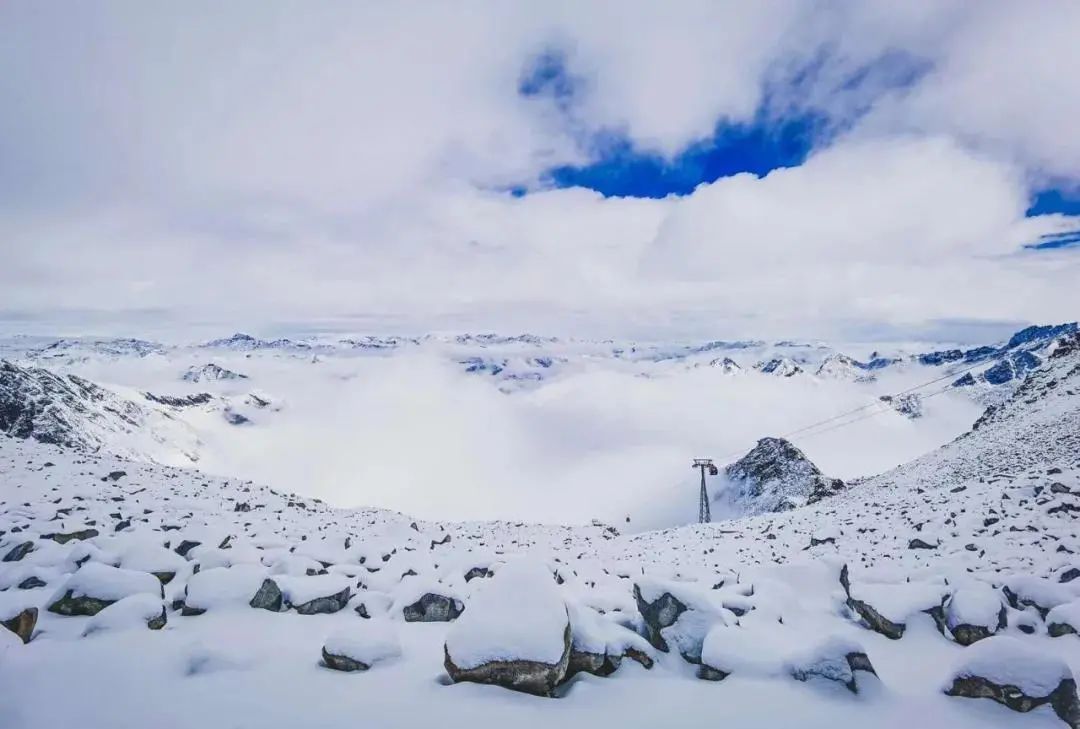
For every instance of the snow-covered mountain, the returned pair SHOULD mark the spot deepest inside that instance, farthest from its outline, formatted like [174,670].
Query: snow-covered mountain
[951,577]
[68,410]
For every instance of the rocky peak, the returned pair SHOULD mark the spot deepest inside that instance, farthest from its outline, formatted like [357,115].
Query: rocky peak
[211,372]
[726,364]
[843,367]
[777,476]
[779,366]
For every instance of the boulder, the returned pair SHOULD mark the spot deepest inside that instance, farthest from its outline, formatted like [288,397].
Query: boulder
[515,634]
[268,597]
[22,623]
[1003,669]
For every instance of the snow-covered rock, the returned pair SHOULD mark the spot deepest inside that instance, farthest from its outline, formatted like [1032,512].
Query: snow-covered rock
[515,633]
[222,587]
[678,616]
[974,612]
[599,644]
[361,645]
[142,610]
[1064,619]
[96,586]
[886,608]
[768,650]
[1020,677]
[315,594]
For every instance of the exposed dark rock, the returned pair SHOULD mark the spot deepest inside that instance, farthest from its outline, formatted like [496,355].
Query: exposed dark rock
[1057,630]
[18,552]
[477,572]
[268,597]
[69,536]
[31,582]
[433,608]
[917,543]
[342,663]
[531,677]
[327,604]
[158,621]
[186,546]
[22,624]
[70,604]
[657,615]
[164,577]
[1062,699]
[876,621]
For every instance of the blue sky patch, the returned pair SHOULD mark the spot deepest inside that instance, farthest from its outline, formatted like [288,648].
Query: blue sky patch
[623,171]
[1055,200]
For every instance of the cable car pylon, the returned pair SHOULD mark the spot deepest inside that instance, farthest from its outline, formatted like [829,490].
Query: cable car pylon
[704,464]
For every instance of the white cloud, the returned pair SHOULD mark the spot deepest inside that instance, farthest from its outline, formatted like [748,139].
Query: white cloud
[266,162]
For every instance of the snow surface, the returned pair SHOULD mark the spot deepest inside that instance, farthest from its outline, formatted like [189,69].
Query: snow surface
[974,604]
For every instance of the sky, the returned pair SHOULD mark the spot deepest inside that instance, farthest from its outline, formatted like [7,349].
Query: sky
[778,168]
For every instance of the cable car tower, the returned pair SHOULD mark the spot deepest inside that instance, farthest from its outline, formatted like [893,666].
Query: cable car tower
[704,464]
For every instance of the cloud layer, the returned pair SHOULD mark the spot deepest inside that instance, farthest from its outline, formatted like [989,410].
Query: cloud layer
[274,162]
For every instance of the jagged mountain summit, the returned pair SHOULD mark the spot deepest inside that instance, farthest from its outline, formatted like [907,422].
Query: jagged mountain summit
[779,366]
[774,476]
